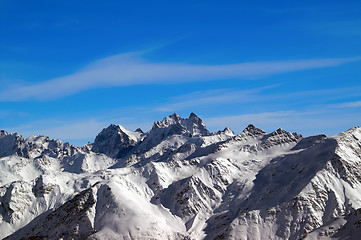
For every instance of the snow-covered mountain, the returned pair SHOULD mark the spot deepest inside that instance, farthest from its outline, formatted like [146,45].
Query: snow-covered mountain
[179,181]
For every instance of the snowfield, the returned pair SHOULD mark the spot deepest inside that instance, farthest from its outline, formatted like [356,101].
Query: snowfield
[179,181]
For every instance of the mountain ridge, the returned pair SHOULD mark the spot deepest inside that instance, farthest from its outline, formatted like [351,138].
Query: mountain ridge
[179,181]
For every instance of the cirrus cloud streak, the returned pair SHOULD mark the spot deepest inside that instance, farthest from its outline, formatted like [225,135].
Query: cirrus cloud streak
[131,69]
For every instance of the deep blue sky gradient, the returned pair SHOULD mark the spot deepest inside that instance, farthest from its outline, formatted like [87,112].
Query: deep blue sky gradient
[45,40]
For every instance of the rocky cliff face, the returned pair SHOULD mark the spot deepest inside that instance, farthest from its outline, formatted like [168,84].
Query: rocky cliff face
[178,181]
[115,141]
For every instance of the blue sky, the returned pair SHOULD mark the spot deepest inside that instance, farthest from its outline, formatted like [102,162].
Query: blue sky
[70,68]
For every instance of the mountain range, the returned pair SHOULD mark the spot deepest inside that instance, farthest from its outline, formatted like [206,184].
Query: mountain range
[180,181]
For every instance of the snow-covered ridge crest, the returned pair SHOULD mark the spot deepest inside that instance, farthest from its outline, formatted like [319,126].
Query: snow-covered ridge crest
[178,181]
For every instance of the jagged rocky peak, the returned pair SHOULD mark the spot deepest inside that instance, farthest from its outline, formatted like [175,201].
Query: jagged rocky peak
[3,133]
[173,125]
[168,121]
[281,137]
[173,119]
[278,132]
[44,142]
[251,130]
[251,186]
[139,130]
[281,132]
[195,125]
[177,125]
[10,144]
[227,131]
[115,141]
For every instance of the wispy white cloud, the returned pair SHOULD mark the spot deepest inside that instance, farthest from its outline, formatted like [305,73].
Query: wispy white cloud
[211,97]
[355,104]
[131,69]
[221,97]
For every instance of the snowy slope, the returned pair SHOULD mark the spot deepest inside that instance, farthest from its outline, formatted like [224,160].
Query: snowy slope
[179,181]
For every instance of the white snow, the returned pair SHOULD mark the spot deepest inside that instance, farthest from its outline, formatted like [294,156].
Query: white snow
[178,181]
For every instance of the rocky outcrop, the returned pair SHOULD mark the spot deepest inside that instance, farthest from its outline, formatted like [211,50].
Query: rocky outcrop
[115,141]
[178,181]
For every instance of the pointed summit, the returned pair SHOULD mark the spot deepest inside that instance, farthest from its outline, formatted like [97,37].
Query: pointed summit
[193,115]
[3,133]
[10,144]
[281,137]
[195,125]
[139,130]
[278,132]
[227,131]
[174,117]
[177,125]
[251,130]
[115,141]
[167,121]
[283,132]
